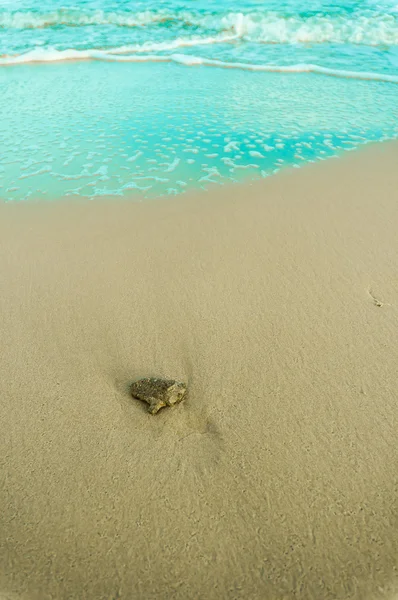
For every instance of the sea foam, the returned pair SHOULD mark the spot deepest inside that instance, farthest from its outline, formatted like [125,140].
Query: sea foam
[359,27]
[120,55]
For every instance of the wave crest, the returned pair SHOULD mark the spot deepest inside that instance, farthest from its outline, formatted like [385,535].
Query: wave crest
[262,27]
[273,28]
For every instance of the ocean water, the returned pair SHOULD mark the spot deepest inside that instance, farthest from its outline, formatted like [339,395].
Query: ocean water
[153,98]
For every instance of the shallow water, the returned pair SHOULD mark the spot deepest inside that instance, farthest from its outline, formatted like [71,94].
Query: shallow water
[153,108]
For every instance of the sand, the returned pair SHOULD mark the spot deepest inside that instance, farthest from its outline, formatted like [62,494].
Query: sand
[278,477]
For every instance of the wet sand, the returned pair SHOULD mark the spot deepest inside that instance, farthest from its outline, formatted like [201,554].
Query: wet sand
[277,478]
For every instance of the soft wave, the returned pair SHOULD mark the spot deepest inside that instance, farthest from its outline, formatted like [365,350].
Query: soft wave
[186,42]
[78,18]
[52,56]
[363,28]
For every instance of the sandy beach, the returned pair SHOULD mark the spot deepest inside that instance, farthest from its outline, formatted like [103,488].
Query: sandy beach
[277,478]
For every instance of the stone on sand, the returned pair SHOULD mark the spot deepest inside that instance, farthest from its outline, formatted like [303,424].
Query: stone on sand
[158,393]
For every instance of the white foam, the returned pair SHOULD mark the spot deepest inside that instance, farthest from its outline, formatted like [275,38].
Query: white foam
[35,173]
[81,18]
[231,146]
[135,156]
[50,55]
[47,55]
[172,166]
[270,27]
[361,27]
[188,42]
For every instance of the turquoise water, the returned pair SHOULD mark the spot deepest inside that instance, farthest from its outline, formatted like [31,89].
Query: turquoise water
[154,98]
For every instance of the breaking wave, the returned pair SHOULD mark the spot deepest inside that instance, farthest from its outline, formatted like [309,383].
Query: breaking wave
[364,28]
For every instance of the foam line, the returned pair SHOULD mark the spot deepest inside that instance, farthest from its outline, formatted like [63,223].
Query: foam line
[37,56]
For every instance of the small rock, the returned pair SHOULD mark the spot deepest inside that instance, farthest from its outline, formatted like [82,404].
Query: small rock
[158,392]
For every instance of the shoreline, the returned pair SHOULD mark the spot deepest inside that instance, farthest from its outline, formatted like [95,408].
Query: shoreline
[276,301]
[221,190]
[130,153]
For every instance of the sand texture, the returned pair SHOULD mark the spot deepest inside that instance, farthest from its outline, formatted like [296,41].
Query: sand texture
[277,477]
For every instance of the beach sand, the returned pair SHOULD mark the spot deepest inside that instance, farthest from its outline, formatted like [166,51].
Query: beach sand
[277,478]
